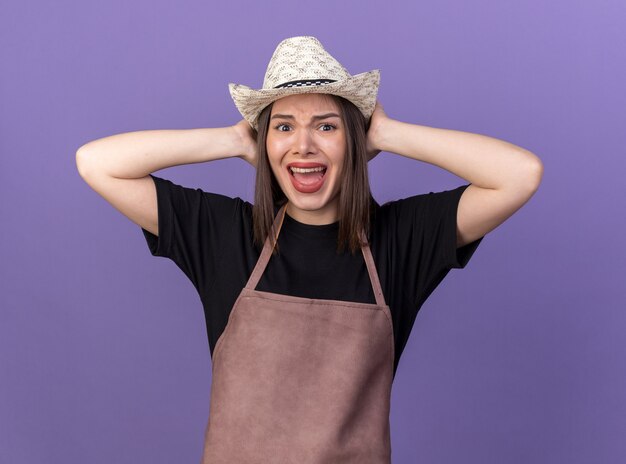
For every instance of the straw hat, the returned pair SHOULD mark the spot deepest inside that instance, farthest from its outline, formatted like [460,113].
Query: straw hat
[301,65]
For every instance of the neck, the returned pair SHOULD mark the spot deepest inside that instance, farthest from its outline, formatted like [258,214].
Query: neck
[316,218]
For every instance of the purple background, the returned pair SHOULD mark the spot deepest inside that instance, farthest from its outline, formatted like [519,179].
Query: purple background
[519,358]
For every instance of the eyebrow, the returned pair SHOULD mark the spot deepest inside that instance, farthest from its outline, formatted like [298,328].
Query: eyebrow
[314,118]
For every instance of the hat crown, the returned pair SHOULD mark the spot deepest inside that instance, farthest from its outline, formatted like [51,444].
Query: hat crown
[301,58]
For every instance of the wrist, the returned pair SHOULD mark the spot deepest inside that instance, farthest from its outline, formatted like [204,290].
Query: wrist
[384,134]
[237,142]
[244,142]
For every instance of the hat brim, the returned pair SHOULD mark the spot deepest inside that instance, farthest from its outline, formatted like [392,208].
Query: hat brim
[361,89]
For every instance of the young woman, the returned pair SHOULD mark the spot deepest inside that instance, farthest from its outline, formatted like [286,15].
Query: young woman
[311,292]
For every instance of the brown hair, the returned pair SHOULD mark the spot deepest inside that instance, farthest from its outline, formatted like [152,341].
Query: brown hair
[355,199]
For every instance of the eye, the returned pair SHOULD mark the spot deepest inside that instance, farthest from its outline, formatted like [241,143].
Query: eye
[285,127]
[278,127]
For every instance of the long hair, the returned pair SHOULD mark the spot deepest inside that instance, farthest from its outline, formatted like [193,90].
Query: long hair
[355,199]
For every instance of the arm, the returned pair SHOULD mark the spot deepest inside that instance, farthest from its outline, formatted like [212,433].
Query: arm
[503,176]
[133,155]
[118,167]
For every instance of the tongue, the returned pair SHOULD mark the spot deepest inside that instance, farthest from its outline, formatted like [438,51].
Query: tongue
[308,178]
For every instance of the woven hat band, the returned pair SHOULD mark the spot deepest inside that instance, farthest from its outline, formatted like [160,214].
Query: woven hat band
[304,83]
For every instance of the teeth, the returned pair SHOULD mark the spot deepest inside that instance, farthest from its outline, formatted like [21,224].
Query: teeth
[306,170]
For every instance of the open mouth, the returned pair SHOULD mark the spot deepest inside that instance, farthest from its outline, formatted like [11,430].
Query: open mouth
[307,178]
[307,170]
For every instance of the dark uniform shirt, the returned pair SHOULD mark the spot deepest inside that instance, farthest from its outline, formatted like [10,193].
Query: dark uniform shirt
[210,238]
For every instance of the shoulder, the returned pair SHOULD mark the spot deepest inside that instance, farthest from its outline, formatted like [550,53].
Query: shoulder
[428,202]
[403,218]
[193,197]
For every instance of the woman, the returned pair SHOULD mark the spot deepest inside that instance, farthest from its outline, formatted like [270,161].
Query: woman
[309,294]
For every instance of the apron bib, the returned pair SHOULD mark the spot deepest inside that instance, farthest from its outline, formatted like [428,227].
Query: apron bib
[299,380]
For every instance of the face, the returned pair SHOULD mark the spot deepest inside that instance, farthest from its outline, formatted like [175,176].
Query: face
[306,145]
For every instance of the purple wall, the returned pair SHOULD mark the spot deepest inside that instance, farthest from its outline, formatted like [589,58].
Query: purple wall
[519,358]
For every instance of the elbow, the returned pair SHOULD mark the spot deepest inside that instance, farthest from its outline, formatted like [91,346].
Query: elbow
[532,173]
[80,162]
[82,158]
[536,171]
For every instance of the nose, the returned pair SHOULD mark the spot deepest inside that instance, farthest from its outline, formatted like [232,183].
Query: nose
[304,143]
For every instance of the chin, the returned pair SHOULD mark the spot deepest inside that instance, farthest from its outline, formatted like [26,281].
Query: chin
[311,205]
[320,204]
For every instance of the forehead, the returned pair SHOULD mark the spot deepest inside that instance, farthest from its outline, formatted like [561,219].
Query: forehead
[305,104]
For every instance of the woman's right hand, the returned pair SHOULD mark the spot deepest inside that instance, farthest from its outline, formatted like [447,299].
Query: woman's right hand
[247,136]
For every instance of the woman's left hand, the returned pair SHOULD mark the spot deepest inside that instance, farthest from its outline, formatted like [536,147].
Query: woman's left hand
[374,133]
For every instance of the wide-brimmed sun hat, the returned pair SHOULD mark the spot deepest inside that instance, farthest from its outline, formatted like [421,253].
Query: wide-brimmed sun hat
[302,65]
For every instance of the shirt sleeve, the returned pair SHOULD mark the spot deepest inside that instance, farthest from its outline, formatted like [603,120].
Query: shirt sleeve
[426,241]
[193,227]
[441,227]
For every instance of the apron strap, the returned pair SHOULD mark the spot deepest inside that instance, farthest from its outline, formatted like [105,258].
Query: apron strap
[371,270]
[268,248]
[271,240]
